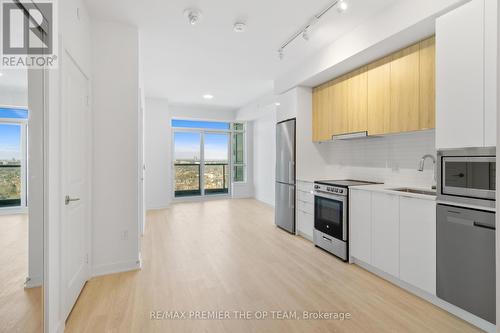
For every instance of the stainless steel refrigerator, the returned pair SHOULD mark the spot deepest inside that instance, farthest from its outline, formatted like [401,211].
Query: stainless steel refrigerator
[285,175]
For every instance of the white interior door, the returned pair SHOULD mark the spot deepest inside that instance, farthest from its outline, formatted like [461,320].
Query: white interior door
[76,183]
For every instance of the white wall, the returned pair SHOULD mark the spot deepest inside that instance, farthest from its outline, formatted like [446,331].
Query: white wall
[115,195]
[261,114]
[158,152]
[13,97]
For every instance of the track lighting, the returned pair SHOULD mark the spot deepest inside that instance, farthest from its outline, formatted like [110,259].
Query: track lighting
[304,30]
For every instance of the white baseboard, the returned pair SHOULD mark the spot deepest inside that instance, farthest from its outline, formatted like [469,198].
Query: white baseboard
[33,282]
[305,236]
[460,313]
[118,267]
[162,207]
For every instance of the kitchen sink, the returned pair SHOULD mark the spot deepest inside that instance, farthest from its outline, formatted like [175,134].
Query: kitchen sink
[415,191]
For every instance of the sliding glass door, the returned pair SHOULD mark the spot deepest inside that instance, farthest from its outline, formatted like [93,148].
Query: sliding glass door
[216,163]
[201,163]
[187,164]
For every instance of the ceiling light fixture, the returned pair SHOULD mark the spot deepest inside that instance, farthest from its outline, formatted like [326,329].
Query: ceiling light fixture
[1,74]
[277,103]
[239,27]
[193,16]
[304,30]
[208,96]
[342,7]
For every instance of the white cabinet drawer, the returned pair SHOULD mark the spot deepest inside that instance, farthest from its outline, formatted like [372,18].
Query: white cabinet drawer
[305,196]
[305,224]
[306,207]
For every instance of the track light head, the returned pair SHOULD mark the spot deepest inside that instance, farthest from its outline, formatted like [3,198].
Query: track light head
[305,35]
[281,54]
[342,6]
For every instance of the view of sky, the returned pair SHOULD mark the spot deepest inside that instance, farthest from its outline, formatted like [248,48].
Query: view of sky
[10,134]
[187,144]
[10,141]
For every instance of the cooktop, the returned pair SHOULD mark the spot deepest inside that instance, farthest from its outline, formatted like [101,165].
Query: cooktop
[344,182]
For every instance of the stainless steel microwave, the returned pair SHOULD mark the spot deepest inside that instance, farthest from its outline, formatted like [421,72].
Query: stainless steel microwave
[467,176]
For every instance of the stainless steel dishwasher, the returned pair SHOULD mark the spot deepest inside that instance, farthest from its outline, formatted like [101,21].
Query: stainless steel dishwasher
[466,259]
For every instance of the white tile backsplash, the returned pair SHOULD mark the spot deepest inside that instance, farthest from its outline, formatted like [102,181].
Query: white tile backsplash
[390,159]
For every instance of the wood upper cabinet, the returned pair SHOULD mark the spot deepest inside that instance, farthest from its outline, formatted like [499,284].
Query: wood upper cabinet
[322,116]
[428,83]
[379,96]
[392,95]
[405,90]
[357,101]
[339,108]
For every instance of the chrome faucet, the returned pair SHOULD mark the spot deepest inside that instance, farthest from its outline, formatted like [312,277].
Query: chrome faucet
[422,164]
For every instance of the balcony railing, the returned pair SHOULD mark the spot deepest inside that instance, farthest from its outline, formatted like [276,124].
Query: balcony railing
[188,180]
[10,185]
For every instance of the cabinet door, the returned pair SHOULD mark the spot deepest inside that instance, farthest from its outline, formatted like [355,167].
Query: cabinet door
[405,86]
[379,96]
[357,101]
[360,224]
[490,71]
[322,116]
[385,233]
[417,251]
[460,77]
[338,104]
[427,84]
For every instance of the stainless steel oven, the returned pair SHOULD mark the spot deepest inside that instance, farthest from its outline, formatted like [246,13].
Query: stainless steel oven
[330,219]
[467,176]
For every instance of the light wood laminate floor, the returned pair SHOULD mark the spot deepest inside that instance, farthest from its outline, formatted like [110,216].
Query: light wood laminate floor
[20,308]
[228,255]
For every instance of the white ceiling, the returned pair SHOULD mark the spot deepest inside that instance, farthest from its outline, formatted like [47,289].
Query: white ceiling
[182,62]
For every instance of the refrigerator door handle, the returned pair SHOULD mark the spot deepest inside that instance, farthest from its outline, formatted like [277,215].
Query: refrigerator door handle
[291,200]
[291,177]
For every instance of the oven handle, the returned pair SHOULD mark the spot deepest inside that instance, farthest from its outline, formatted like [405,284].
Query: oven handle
[328,195]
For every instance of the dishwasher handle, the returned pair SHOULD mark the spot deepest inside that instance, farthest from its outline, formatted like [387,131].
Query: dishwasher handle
[484,225]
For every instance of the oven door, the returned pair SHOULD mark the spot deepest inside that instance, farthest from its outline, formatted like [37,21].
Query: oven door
[330,215]
[472,177]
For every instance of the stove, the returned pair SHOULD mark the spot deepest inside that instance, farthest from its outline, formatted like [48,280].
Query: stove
[331,223]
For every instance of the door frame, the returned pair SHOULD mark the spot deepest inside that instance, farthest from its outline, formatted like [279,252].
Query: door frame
[202,132]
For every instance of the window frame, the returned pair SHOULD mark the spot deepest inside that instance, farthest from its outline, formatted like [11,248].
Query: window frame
[244,164]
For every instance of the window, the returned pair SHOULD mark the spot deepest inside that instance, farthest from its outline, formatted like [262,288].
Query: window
[238,149]
[12,157]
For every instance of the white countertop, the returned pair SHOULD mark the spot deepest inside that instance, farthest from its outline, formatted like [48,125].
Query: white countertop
[389,189]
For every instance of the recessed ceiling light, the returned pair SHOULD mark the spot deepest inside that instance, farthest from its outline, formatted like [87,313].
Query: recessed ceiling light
[208,96]
[1,74]
[342,7]
[239,27]
[277,103]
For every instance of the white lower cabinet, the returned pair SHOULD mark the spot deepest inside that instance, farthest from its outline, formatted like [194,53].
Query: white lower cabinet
[417,250]
[395,234]
[360,225]
[385,232]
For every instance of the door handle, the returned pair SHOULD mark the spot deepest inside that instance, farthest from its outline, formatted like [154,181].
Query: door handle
[68,200]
